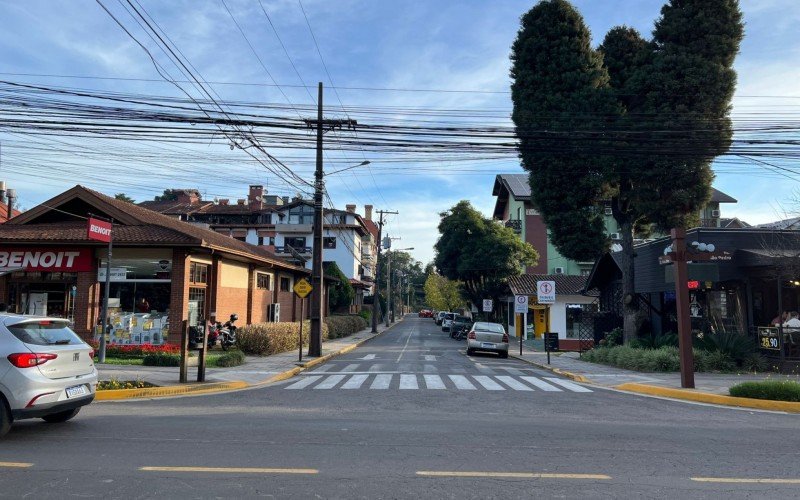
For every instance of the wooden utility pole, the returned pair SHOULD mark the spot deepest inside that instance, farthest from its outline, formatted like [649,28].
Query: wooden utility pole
[376,304]
[317,295]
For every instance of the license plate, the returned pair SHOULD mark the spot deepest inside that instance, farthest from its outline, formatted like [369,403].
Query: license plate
[487,344]
[78,390]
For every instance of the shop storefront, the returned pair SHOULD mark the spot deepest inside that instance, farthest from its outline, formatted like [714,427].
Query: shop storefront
[163,271]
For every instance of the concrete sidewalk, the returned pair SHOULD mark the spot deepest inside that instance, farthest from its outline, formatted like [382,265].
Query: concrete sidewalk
[709,387]
[257,370]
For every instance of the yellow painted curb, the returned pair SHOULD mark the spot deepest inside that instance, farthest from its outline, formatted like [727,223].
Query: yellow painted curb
[557,371]
[705,397]
[171,390]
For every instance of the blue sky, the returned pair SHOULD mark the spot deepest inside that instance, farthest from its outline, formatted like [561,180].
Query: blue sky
[455,44]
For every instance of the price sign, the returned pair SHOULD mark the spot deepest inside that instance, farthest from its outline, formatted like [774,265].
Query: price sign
[768,338]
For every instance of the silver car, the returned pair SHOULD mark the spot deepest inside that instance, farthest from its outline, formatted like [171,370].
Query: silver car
[490,337]
[447,320]
[46,370]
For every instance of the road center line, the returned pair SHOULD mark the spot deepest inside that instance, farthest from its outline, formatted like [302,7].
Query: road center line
[18,465]
[521,475]
[405,346]
[745,480]
[231,470]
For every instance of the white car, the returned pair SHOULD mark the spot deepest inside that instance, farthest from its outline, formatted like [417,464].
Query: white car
[46,370]
[490,337]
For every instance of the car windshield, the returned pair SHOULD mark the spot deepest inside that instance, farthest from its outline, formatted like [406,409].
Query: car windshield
[449,316]
[45,333]
[462,319]
[489,327]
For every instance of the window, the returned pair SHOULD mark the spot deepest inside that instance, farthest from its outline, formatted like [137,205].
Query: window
[272,240]
[329,242]
[298,243]
[285,284]
[196,306]
[260,240]
[198,273]
[263,281]
[240,238]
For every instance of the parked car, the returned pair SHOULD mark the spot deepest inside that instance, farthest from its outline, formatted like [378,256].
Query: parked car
[425,313]
[46,370]
[447,320]
[439,317]
[458,323]
[491,337]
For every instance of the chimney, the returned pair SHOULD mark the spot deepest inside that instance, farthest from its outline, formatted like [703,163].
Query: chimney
[350,208]
[368,212]
[285,200]
[224,201]
[255,198]
[241,201]
[187,195]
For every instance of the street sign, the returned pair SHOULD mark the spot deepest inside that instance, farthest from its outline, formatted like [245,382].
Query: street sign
[546,292]
[520,303]
[302,288]
[487,305]
[98,230]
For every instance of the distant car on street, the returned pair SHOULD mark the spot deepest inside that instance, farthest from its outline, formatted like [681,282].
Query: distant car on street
[439,317]
[490,337]
[46,370]
[447,320]
[425,313]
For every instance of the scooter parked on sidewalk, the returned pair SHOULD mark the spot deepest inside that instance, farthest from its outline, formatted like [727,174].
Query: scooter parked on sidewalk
[227,333]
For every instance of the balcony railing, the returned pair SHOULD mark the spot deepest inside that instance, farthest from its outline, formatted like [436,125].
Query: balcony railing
[300,250]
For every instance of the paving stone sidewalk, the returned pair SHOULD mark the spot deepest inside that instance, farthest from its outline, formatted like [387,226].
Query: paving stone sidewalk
[715,383]
[256,369]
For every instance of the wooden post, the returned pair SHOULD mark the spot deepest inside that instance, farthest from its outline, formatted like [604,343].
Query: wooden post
[682,308]
[201,361]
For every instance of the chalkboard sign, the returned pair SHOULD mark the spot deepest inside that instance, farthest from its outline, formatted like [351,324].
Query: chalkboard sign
[551,341]
[768,338]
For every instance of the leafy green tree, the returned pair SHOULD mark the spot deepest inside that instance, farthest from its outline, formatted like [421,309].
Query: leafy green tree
[479,253]
[168,195]
[341,294]
[124,197]
[406,274]
[442,294]
[657,116]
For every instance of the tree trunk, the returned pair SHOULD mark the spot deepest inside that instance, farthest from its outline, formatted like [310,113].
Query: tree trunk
[630,302]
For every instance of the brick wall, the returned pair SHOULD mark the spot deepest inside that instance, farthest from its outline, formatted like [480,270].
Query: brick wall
[87,303]
[230,301]
[3,289]
[536,235]
[179,294]
[260,307]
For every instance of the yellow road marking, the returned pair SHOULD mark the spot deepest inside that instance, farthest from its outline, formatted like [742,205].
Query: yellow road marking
[21,465]
[744,480]
[232,470]
[524,475]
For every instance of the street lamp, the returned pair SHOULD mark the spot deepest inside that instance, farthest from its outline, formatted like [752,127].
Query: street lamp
[389,315]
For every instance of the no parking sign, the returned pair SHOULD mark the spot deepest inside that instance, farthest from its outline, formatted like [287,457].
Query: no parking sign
[520,303]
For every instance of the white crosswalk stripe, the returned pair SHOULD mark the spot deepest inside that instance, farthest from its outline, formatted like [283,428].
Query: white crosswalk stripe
[330,382]
[434,382]
[411,381]
[462,382]
[488,383]
[305,382]
[568,385]
[541,384]
[355,381]
[408,381]
[513,383]
[381,381]
[351,368]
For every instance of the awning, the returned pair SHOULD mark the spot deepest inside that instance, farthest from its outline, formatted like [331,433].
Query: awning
[764,257]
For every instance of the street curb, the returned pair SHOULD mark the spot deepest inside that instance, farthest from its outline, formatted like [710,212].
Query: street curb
[218,387]
[705,397]
[557,371]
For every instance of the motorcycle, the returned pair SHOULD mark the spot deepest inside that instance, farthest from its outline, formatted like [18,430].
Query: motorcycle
[227,333]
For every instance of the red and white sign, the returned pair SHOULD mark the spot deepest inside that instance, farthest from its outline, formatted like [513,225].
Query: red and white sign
[546,292]
[46,259]
[99,230]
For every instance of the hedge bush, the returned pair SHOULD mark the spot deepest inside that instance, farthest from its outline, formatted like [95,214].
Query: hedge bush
[231,358]
[663,359]
[159,359]
[777,390]
[343,326]
[263,339]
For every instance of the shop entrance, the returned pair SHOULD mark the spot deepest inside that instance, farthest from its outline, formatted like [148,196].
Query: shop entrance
[41,298]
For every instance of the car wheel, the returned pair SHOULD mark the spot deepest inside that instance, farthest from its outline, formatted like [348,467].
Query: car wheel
[62,416]
[5,418]
[503,354]
[470,352]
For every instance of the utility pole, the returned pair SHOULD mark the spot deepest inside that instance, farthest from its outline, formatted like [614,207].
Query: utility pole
[376,304]
[317,294]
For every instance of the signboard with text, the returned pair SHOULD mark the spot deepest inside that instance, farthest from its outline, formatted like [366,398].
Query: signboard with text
[117,274]
[98,230]
[302,288]
[487,305]
[768,338]
[546,292]
[520,303]
[45,259]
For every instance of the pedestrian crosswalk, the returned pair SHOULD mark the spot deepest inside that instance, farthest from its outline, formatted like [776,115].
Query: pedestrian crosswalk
[433,381]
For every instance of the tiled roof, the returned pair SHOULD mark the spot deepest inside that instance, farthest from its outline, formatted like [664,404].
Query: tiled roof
[4,212]
[174,207]
[137,225]
[566,284]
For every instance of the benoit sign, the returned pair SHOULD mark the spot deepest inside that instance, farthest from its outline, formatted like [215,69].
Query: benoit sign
[98,230]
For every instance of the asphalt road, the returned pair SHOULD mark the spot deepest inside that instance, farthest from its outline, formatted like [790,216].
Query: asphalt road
[407,415]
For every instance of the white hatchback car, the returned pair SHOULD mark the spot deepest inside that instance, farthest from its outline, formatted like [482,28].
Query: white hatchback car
[46,370]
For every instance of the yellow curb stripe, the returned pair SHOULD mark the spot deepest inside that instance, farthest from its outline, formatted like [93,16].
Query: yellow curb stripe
[231,470]
[19,465]
[705,397]
[173,390]
[522,475]
[744,480]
